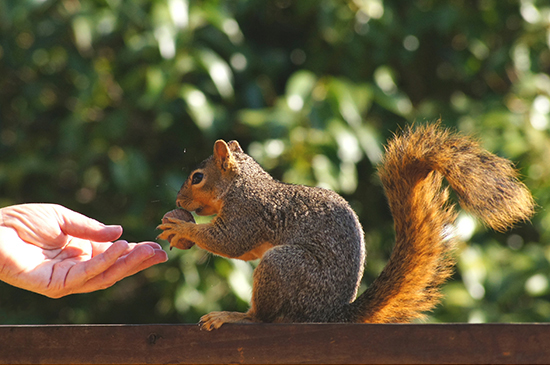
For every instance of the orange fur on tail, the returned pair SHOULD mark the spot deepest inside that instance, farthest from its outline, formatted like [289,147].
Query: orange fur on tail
[412,172]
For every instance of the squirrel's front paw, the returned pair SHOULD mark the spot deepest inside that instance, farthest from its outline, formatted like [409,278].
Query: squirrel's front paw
[172,224]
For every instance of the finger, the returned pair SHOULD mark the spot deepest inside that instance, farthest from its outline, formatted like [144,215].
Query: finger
[159,256]
[155,246]
[141,257]
[78,225]
[100,247]
[86,270]
[144,254]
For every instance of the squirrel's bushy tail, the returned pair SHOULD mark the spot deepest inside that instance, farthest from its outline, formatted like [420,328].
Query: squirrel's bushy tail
[412,171]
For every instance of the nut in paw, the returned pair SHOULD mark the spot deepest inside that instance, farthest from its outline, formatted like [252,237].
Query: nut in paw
[169,225]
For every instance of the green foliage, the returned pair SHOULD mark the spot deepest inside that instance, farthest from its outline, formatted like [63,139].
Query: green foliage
[106,106]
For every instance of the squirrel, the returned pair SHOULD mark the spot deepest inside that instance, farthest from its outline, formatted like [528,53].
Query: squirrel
[311,243]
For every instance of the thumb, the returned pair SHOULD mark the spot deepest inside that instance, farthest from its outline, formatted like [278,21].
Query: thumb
[78,225]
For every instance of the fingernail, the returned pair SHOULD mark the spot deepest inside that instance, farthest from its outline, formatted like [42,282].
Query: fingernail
[151,252]
[124,242]
[112,226]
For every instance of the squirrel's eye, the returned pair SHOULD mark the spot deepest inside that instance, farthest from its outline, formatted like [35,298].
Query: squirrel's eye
[197,178]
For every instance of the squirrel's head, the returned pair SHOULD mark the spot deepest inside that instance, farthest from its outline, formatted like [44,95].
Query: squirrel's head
[204,187]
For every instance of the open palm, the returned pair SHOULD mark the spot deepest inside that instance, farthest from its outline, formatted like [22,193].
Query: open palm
[54,251]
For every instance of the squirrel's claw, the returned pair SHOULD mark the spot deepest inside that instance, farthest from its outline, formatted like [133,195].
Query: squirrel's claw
[165,226]
[211,321]
[167,232]
[169,223]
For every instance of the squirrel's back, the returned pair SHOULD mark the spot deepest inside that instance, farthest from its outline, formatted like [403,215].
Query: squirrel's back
[317,225]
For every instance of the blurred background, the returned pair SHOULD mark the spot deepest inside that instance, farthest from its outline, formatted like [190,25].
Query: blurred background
[107,105]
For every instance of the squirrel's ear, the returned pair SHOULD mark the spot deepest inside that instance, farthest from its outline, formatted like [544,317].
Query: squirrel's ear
[223,156]
[234,146]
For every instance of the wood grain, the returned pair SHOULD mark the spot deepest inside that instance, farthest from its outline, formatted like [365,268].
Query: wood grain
[277,344]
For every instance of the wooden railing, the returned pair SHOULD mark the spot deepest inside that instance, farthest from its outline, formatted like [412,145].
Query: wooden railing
[277,344]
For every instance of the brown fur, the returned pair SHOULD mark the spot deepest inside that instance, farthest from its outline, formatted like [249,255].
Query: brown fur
[311,243]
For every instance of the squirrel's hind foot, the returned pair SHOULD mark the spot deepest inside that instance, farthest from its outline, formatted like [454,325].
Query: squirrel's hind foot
[214,320]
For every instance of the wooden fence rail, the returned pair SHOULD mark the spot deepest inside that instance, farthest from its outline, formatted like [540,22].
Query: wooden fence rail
[277,344]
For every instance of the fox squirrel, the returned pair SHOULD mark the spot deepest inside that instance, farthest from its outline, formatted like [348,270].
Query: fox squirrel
[310,241]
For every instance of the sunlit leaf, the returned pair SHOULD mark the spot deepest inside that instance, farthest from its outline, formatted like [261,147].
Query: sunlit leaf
[219,71]
[198,106]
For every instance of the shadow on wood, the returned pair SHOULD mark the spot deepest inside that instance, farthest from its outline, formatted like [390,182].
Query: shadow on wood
[277,344]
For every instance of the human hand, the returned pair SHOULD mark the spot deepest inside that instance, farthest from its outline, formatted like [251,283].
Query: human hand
[54,251]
